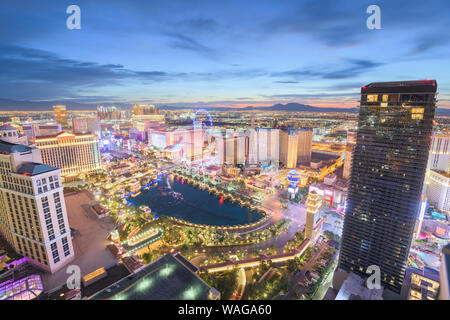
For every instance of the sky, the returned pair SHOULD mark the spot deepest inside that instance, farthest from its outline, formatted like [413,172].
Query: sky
[219,53]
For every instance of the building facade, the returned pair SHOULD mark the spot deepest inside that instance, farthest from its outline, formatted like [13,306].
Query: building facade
[288,148]
[304,148]
[86,125]
[76,154]
[440,153]
[33,217]
[35,129]
[438,190]
[60,113]
[389,165]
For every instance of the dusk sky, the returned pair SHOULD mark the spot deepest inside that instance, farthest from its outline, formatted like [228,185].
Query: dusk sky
[219,53]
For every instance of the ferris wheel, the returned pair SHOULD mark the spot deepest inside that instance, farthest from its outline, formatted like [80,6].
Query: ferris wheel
[202,120]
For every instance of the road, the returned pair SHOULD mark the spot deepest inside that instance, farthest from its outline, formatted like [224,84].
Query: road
[307,267]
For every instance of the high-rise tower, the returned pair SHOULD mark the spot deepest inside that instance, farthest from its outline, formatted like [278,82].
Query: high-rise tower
[387,174]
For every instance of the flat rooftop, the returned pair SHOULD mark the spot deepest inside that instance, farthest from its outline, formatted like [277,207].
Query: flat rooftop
[164,279]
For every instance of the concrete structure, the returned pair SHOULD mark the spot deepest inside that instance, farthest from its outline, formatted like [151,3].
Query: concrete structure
[76,154]
[33,217]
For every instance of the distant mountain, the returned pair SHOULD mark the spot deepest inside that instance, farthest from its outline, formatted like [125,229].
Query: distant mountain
[298,107]
[289,107]
[10,105]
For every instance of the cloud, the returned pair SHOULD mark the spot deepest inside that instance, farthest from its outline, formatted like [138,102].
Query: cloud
[334,23]
[288,82]
[42,74]
[27,73]
[181,41]
[351,68]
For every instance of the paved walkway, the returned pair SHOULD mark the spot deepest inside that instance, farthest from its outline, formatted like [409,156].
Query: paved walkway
[89,241]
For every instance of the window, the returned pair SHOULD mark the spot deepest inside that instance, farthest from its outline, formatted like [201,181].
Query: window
[372,98]
[385,98]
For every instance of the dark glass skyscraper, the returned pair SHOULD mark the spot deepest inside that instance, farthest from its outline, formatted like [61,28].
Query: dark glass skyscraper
[388,168]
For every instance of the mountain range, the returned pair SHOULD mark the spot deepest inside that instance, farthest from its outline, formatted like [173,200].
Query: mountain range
[11,105]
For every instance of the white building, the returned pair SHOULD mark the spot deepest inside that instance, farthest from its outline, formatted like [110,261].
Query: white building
[33,217]
[11,134]
[439,158]
[438,190]
[76,154]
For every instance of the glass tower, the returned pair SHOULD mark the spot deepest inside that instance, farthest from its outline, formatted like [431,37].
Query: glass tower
[388,168]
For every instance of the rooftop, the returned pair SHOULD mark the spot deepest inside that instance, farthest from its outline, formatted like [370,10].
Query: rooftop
[32,169]
[6,127]
[164,279]
[401,87]
[7,147]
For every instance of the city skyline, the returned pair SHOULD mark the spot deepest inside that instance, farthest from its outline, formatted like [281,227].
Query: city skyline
[225,55]
[254,150]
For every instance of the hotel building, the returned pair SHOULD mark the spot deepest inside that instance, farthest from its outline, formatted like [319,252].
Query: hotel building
[84,125]
[438,190]
[288,148]
[440,153]
[76,154]
[438,174]
[264,146]
[35,129]
[143,115]
[33,217]
[304,148]
[109,113]
[387,174]
[60,113]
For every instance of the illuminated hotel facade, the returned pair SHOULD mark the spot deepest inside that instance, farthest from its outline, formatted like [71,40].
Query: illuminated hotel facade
[288,148]
[76,154]
[60,113]
[388,169]
[438,173]
[33,217]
